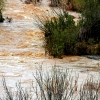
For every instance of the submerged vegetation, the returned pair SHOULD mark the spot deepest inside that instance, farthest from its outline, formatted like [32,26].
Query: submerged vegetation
[58,84]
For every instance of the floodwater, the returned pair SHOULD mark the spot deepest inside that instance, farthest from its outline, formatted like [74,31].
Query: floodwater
[21,46]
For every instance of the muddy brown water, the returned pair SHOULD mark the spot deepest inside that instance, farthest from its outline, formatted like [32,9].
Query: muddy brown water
[21,47]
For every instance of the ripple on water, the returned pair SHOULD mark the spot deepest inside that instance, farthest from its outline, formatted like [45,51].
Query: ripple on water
[18,26]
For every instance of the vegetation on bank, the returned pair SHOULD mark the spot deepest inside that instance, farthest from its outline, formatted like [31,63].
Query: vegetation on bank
[2,5]
[32,1]
[68,4]
[64,37]
[58,84]
[60,34]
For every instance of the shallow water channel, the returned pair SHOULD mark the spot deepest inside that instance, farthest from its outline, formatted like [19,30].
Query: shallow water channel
[21,47]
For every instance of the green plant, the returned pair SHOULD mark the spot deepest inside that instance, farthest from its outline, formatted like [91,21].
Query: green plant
[2,5]
[97,46]
[68,4]
[55,3]
[32,1]
[63,37]
[87,47]
[60,34]
[77,5]
[81,48]
[90,23]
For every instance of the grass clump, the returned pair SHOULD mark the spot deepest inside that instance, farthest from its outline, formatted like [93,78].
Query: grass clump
[58,84]
[17,94]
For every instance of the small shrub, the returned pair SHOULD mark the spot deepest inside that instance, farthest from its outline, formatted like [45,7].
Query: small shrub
[68,4]
[18,94]
[2,5]
[55,3]
[89,90]
[81,48]
[77,5]
[56,85]
[32,1]
[87,48]
[60,34]
[98,48]
[1,17]
[90,23]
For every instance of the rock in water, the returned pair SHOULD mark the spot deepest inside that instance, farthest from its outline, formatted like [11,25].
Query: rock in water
[93,57]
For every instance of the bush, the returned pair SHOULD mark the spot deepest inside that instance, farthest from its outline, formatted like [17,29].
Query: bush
[89,90]
[18,94]
[63,37]
[68,4]
[58,84]
[81,48]
[87,48]
[90,23]
[55,3]
[2,5]
[32,1]
[77,5]
[1,17]
[60,34]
